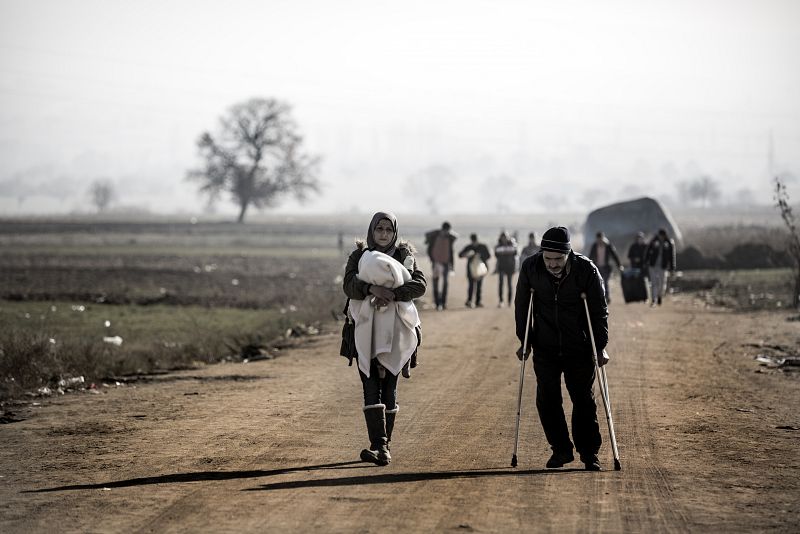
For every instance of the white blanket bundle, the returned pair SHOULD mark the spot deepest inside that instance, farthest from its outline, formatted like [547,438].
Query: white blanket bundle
[386,333]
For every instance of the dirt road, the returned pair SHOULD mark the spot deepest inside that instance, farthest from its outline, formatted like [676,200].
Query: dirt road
[273,445]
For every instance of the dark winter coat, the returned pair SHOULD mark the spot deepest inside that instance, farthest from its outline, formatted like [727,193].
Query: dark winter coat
[478,248]
[559,317]
[506,255]
[667,248]
[611,254]
[636,255]
[359,290]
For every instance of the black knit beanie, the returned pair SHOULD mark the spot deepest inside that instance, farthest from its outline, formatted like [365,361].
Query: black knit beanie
[556,239]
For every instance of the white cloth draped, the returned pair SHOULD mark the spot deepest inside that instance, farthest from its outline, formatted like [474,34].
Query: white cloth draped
[387,333]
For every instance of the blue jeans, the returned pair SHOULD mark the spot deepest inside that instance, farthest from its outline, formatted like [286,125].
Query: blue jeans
[440,270]
[379,390]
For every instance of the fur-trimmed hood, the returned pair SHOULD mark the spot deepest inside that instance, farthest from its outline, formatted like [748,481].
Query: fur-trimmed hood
[402,244]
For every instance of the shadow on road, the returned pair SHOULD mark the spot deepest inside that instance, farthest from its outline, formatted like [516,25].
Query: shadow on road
[178,478]
[394,478]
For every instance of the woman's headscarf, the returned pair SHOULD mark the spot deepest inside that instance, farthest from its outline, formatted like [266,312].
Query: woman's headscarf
[371,244]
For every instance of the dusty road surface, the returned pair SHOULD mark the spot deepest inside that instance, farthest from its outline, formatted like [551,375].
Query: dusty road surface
[709,440]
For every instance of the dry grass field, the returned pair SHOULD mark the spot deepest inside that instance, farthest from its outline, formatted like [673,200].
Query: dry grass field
[182,294]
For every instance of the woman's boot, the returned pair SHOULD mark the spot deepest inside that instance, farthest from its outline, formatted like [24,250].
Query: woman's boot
[390,415]
[378,452]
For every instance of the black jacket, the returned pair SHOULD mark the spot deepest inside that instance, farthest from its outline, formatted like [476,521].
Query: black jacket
[667,253]
[357,289]
[478,248]
[559,315]
[611,254]
[636,255]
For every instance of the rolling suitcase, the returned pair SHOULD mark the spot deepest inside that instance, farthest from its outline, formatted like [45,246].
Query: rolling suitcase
[634,286]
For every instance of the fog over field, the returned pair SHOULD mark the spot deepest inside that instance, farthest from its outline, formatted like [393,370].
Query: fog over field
[443,107]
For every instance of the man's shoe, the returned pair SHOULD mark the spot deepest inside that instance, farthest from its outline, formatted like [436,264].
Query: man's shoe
[591,463]
[468,304]
[558,459]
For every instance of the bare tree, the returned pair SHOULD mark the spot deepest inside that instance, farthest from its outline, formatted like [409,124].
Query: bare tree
[704,189]
[781,197]
[498,193]
[256,156]
[102,194]
[434,183]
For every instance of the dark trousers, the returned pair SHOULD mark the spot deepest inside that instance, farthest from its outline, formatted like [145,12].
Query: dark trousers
[379,390]
[510,277]
[440,298]
[579,375]
[605,274]
[474,285]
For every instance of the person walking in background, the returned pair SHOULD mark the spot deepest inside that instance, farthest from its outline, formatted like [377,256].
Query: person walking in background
[530,249]
[440,251]
[660,260]
[477,255]
[381,280]
[505,253]
[560,343]
[637,253]
[601,254]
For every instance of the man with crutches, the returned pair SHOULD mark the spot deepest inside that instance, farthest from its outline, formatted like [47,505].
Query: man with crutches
[558,333]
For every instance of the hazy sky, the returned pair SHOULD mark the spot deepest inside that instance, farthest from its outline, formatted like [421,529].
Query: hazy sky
[531,106]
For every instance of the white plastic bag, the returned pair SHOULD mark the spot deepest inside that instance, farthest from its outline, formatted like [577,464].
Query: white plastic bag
[477,268]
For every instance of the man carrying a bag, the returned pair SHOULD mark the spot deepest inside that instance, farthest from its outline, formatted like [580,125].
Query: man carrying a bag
[477,255]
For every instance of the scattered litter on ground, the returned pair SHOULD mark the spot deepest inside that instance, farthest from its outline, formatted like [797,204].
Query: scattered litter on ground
[70,382]
[745,410]
[788,427]
[113,340]
[783,358]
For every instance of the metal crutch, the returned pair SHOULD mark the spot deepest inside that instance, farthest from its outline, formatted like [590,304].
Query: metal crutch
[601,372]
[522,379]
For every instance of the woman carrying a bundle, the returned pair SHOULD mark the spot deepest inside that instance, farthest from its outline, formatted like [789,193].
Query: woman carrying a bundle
[381,280]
